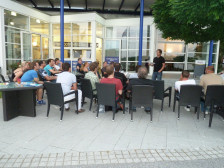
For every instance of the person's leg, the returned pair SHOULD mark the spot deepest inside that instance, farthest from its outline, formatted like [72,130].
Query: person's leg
[39,94]
[159,75]
[154,75]
[66,106]
[67,98]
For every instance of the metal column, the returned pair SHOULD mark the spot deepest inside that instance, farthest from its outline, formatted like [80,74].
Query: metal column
[62,28]
[141,32]
[210,53]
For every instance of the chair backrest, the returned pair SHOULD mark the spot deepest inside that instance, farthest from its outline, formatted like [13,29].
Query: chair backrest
[79,77]
[142,95]
[158,89]
[199,70]
[54,93]
[190,95]
[215,94]
[2,79]
[86,88]
[106,94]
[10,78]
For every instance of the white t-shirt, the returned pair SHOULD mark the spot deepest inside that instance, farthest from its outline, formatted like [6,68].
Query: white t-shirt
[133,75]
[185,82]
[56,67]
[66,79]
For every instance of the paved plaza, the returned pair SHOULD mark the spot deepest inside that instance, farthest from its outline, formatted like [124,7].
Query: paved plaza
[84,140]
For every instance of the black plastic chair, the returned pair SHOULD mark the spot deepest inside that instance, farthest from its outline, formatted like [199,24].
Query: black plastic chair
[160,93]
[106,95]
[141,95]
[2,79]
[189,95]
[55,96]
[87,91]
[215,99]
[10,78]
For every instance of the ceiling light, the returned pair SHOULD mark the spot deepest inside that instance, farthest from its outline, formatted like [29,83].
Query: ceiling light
[169,50]
[13,13]
[11,23]
[34,43]
[37,20]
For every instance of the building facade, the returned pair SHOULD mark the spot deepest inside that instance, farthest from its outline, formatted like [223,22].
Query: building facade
[28,34]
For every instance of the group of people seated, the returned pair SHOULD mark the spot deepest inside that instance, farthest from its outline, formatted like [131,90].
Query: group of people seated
[55,71]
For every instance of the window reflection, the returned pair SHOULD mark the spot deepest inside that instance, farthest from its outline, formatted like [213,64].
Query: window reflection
[39,26]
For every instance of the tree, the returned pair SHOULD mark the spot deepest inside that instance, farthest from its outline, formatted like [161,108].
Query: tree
[190,20]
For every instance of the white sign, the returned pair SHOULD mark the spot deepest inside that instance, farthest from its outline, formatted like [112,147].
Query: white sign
[200,62]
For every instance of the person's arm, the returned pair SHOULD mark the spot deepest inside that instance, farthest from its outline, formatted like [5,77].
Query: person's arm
[49,78]
[38,81]
[54,72]
[17,76]
[74,86]
[162,67]
[120,87]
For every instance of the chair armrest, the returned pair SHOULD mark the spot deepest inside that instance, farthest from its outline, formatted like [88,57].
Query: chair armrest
[75,91]
[168,89]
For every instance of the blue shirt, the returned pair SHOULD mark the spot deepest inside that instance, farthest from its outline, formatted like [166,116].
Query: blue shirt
[47,69]
[29,76]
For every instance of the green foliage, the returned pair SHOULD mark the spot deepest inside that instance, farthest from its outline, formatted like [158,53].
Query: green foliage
[15,65]
[190,20]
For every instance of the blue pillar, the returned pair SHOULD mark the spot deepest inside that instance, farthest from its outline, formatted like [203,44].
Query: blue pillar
[62,28]
[210,53]
[141,32]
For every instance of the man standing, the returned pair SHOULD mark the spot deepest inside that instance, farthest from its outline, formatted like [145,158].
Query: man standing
[32,76]
[159,65]
[50,67]
[69,84]
[103,70]
[79,64]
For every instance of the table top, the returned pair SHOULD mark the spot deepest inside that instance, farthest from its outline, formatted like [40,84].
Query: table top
[12,86]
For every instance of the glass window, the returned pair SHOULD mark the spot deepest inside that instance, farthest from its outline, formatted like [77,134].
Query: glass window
[114,32]
[84,54]
[134,31]
[173,57]
[27,47]
[124,55]
[133,43]
[174,67]
[82,41]
[57,53]
[36,47]
[12,35]
[57,41]
[201,47]
[45,47]
[172,47]
[124,43]
[133,55]
[12,65]
[81,28]
[13,51]
[132,65]
[56,29]
[39,26]
[99,30]
[145,55]
[123,66]
[146,31]
[16,20]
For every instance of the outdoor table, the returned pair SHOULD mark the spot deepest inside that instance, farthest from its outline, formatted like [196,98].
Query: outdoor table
[19,99]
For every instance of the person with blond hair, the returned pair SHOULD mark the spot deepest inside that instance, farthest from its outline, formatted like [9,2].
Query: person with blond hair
[84,68]
[17,74]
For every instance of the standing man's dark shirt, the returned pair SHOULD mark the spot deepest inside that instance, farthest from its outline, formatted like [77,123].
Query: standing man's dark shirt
[122,76]
[158,63]
[78,65]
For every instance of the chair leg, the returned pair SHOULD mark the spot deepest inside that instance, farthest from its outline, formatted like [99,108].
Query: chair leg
[174,105]
[211,116]
[48,110]
[114,111]
[97,112]
[162,105]
[151,113]
[83,100]
[204,112]
[91,102]
[178,111]
[130,107]
[123,105]
[62,111]
[169,98]
[197,111]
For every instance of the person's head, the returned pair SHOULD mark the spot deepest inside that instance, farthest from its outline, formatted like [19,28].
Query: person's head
[112,63]
[142,72]
[93,67]
[104,64]
[57,61]
[117,67]
[66,67]
[185,74]
[50,62]
[159,52]
[42,64]
[80,60]
[137,67]
[34,65]
[209,69]
[110,70]
[86,64]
